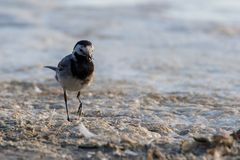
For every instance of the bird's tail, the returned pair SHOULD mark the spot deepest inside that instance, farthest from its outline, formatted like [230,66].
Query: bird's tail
[51,67]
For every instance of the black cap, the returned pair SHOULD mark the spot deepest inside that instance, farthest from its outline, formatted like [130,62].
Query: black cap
[83,43]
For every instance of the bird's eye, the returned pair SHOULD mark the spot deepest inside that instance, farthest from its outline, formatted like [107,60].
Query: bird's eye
[81,50]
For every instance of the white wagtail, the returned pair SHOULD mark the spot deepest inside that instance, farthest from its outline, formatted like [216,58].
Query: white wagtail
[75,71]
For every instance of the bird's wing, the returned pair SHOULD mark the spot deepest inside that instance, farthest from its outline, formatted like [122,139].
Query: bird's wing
[64,63]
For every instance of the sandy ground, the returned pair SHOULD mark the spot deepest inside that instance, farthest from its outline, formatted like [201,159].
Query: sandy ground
[121,121]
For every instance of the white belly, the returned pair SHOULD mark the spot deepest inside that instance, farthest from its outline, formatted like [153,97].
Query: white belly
[71,84]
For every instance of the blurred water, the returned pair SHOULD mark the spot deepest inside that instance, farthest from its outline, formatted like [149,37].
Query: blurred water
[103,3]
[174,46]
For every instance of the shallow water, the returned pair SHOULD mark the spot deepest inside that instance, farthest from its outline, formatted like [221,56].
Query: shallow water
[185,52]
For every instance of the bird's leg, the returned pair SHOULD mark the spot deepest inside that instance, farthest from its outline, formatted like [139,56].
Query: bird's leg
[80,105]
[65,99]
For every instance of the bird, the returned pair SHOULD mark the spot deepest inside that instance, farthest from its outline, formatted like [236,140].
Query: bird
[75,71]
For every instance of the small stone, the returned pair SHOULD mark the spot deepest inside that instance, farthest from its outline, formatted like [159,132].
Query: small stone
[131,153]
[37,90]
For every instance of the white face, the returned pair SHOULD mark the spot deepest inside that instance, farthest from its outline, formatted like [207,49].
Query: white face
[81,50]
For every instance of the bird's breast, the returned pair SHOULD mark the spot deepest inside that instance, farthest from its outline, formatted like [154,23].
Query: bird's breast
[82,69]
[71,83]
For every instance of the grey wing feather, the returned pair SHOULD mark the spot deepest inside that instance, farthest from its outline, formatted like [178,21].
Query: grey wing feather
[64,63]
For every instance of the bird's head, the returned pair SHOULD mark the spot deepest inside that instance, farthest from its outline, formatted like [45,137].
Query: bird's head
[83,48]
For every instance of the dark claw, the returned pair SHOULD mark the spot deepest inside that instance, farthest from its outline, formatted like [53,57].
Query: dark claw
[80,110]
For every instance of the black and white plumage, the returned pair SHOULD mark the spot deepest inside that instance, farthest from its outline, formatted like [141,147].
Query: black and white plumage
[75,71]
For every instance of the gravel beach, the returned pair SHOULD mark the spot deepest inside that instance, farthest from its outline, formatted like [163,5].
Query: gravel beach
[121,120]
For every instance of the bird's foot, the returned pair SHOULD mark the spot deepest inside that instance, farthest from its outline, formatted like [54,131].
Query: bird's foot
[79,112]
[69,119]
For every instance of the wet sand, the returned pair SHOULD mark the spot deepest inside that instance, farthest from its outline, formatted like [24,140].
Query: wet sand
[123,120]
